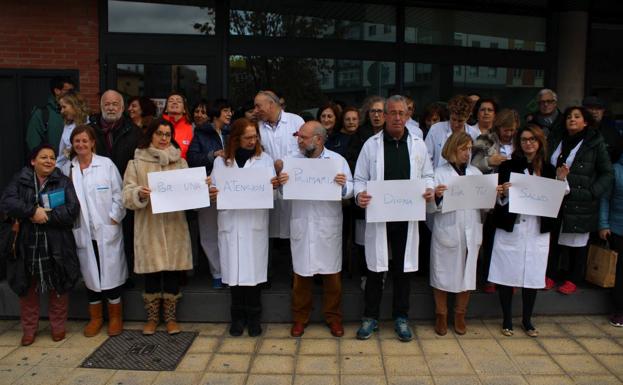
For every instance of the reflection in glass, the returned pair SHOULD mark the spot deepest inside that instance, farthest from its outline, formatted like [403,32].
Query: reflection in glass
[143,17]
[475,29]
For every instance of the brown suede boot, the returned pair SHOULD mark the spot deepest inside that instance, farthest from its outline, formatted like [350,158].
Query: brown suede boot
[96,321]
[460,308]
[152,306]
[169,303]
[441,311]
[115,319]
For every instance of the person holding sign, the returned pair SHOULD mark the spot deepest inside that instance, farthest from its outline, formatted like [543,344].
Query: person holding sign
[393,153]
[521,242]
[243,234]
[316,238]
[44,203]
[456,239]
[161,241]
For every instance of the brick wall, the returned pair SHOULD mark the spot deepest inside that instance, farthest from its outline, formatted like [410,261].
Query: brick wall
[52,35]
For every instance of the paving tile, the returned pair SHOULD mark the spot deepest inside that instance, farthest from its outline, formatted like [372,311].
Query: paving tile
[568,319]
[449,365]
[230,363]
[177,378]
[278,346]
[42,375]
[44,340]
[361,365]
[483,347]
[238,345]
[410,380]
[406,366]
[386,329]
[317,331]
[11,338]
[223,379]
[132,377]
[561,346]
[399,348]
[78,340]
[208,328]
[585,329]
[549,380]
[579,364]
[447,346]
[427,332]
[194,362]
[25,356]
[537,365]
[7,325]
[596,380]
[5,350]
[475,329]
[350,329]
[8,374]
[308,379]
[600,345]
[272,364]
[614,362]
[363,380]
[204,344]
[354,347]
[317,365]
[269,379]
[277,331]
[550,329]
[492,365]
[320,346]
[65,358]
[503,380]
[521,346]
[81,376]
[456,380]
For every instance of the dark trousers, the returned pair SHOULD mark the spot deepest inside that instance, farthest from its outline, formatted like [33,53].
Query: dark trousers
[616,242]
[397,239]
[484,257]
[528,298]
[109,294]
[246,302]
[576,263]
[162,281]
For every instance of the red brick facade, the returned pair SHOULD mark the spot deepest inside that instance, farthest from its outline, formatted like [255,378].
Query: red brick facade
[52,35]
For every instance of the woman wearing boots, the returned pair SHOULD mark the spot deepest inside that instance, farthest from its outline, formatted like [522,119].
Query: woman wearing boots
[243,234]
[44,202]
[521,243]
[161,241]
[456,239]
[98,233]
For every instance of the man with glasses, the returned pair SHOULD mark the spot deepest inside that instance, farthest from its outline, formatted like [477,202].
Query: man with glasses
[548,117]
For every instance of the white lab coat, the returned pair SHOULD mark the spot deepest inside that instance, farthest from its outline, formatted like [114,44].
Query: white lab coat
[316,229]
[243,234]
[436,139]
[98,188]
[414,127]
[371,166]
[280,142]
[456,239]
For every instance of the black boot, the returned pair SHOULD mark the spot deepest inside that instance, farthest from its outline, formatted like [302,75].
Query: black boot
[253,309]
[237,311]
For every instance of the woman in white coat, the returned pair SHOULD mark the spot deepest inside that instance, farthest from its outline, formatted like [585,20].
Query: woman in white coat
[98,233]
[521,243]
[243,234]
[456,239]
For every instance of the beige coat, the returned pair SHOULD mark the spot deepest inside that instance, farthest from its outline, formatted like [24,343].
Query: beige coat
[161,241]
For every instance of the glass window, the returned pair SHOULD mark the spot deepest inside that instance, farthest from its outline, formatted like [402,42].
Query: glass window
[144,17]
[463,28]
[313,19]
[318,80]
[158,80]
[604,71]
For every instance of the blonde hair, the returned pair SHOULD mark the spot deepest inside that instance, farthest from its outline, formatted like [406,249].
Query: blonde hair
[453,144]
[77,102]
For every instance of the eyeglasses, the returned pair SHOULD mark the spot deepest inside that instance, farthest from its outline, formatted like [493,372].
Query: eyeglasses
[401,114]
[376,112]
[548,101]
[531,139]
[161,134]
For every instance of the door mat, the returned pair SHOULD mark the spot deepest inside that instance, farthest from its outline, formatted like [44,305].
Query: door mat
[131,350]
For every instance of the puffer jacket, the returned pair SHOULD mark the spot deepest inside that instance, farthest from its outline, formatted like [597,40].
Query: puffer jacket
[611,207]
[206,141]
[589,178]
[18,202]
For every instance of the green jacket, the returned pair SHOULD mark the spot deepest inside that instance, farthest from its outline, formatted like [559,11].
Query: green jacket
[590,176]
[39,131]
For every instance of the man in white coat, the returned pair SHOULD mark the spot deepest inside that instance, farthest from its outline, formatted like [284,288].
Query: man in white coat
[316,238]
[394,153]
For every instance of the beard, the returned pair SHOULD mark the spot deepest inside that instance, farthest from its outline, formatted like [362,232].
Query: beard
[308,151]
[111,117]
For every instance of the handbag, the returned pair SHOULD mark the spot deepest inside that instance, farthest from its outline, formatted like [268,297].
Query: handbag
[601,265]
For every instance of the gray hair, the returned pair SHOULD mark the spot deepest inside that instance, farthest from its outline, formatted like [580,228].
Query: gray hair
[114,92]
[395,99]
[367,104]
[270,95]
[545,91]
[319,130]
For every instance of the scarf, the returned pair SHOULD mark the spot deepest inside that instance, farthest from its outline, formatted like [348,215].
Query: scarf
[109,129]
[242,155]
[569,142]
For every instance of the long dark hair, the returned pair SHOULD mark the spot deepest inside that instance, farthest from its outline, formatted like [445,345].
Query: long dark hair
[145,139]
[540,158]
[237,129]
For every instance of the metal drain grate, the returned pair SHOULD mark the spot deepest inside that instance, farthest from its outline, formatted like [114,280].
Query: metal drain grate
[131,350]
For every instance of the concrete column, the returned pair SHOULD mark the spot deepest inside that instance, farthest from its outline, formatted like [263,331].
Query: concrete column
[571,69]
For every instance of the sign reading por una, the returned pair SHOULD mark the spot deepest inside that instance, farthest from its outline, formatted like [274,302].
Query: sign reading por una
[178,190]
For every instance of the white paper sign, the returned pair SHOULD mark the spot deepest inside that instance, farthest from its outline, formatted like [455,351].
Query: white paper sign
[535,195]
[178,190]
[396,201]
[312,179]
[470,192]
[244,188]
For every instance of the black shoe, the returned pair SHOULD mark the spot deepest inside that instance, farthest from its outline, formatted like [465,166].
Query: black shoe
[255,328]
[236,328]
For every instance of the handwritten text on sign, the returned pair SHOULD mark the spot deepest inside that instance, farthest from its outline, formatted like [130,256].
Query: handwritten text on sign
[396,201]
[312,179]
[243,188]
[178,190]
[535,195]
[470,192]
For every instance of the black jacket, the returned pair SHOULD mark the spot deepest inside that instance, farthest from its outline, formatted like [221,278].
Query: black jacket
[125,140]
[501,217]
[18,201]
[205,142]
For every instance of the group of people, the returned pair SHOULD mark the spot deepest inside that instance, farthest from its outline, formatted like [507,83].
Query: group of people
[83,206]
